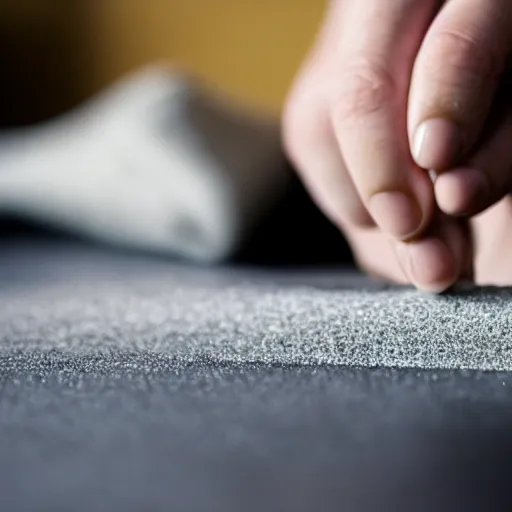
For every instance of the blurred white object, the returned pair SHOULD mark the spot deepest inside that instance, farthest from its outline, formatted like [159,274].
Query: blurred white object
[154,163]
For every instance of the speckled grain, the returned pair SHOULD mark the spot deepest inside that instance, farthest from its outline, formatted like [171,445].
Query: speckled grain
[248,317]
[132,384]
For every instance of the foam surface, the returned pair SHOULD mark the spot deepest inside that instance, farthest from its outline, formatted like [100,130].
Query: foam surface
[131,384]
[85,301]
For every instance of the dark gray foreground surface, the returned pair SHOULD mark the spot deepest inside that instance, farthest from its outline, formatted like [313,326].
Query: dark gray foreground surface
[132,384]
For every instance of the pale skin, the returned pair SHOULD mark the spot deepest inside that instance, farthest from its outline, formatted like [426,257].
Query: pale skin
[400,126]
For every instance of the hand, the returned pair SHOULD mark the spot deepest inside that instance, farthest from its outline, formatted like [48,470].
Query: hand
[459,117]
[355,118]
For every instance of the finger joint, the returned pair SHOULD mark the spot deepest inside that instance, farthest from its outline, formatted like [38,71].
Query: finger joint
[366,89]
[470,57]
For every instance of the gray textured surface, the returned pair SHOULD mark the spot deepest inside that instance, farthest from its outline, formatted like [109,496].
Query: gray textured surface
[85,301]
[129,384]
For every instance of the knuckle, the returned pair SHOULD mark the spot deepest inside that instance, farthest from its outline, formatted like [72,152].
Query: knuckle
[469,57]
[366,89]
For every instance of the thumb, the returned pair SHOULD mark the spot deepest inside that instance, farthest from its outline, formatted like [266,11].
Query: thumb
[455,79]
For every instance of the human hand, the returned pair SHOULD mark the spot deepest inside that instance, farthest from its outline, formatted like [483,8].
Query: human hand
[354,121]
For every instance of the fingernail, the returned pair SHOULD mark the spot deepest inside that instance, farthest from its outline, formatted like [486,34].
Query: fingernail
[396,213]
[437,144]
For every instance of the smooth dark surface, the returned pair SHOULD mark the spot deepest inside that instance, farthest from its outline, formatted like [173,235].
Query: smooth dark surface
[142,432]
[99,410]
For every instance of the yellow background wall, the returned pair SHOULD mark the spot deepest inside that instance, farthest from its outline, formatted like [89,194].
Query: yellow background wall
[251,48]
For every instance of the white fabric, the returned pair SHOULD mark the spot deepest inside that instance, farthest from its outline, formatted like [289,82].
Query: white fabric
[155,162]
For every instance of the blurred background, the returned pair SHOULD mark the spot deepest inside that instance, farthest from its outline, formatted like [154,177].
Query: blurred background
[54,54]
[71,49]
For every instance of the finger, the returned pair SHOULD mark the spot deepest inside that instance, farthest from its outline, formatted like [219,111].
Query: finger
[314,152]
[484,180]
[455,79]
[375,254]
[440,258]
[368,110]
[493,244]
[311,145]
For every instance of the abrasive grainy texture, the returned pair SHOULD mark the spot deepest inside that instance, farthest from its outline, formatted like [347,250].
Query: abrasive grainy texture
[131,385]
[85,302]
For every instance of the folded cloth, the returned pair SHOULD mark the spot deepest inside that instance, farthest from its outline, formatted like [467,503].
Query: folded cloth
[156,163]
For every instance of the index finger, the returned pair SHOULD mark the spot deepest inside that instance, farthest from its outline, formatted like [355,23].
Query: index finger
[378,45]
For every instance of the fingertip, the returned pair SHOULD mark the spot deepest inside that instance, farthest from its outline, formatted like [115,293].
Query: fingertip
[404,214]
[429,264]
[462,192]
[396,213]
